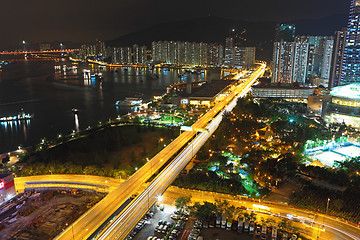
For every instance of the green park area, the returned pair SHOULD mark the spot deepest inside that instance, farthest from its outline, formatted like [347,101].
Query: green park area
[257,147]
[261,144]
[112,152]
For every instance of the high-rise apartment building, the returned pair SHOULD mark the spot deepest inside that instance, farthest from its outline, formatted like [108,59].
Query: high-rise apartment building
[214,55]
[87,50]
[337,58]
[229,52]
[290,62]
[244,57]
[283,62]
[100,48]
[300,59]
[45,46]
[187,53]
[285,33]
[319,58]
[351,64]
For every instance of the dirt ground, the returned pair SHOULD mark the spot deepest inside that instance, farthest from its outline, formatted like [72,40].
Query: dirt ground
[283,193]
[150,141]
[49,217]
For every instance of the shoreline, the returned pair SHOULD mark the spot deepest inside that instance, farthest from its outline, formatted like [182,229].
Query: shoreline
[108,112]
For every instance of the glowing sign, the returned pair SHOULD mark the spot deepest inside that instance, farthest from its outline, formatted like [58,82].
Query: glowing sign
[346,102]
[186,128]
[184,101]
[2,185]
[357,3]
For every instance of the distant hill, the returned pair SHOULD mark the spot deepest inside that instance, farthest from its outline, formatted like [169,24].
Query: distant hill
[215,29]
[324,27]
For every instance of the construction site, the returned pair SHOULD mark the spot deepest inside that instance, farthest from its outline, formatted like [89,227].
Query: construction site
[44,214]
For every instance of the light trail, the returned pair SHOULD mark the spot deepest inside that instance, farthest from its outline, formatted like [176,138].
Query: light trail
[37,52]
[128,218]
[96,216]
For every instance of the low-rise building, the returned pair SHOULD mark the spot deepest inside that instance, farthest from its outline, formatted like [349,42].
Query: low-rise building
[344,106]
[208,94]
[7,186]
[281,91]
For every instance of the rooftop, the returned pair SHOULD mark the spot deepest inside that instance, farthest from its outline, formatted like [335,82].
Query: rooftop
[347,91]
[279,86]
[212,89]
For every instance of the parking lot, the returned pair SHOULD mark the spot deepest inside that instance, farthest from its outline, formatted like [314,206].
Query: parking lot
[169,222]
[149,227]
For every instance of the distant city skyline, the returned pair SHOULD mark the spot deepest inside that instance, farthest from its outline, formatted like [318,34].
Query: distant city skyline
[42,21]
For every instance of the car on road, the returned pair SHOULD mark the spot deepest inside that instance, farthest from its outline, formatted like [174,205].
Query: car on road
[274,233]
[252,227]
[240,224]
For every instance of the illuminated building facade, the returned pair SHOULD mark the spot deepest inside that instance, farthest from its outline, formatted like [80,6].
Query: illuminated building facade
[319,58]
[282,62]
[300,59]
[87,50]
[344,106]
[229,52]
[351,65]
[187,53]
[281,91]
[7,186]
[244,57]
[100,48]
[45,46]
[337,58]
[307,60]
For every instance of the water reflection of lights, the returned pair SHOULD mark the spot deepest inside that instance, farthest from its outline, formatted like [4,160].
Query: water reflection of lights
[15,125]
[76,122]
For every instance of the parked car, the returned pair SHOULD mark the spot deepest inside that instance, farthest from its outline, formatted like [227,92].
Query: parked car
[293,237]
[240,224]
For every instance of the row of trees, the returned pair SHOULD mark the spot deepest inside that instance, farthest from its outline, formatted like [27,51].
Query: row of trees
[123,171]
[98,153]
[210,181]
[341,204]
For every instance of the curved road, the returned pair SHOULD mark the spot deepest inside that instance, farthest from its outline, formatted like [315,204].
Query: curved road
[334,228]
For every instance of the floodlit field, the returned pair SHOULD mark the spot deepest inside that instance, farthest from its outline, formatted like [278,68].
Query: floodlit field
[350,151]
[338,154]
[328,158]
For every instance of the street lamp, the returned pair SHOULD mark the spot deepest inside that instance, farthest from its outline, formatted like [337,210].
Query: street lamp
[82,237]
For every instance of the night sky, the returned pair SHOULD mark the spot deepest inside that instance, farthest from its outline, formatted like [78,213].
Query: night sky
[83,21]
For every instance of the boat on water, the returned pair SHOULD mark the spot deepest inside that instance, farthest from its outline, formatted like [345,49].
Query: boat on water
[20,117]
[129,102]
